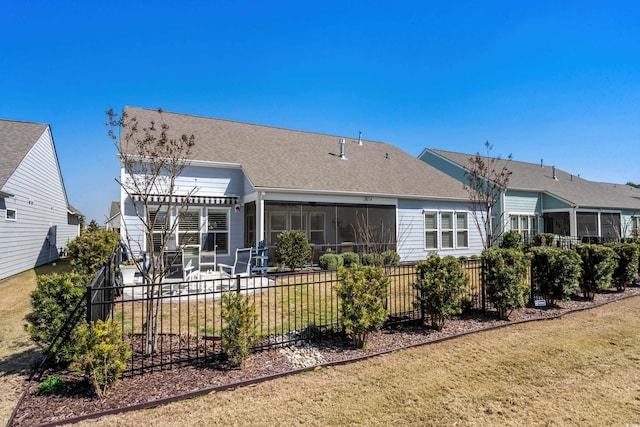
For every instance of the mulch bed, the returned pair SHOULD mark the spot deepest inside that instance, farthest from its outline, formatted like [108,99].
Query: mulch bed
[78,399]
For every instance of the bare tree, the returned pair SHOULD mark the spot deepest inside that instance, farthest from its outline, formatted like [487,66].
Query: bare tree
[152,161]
[487,179]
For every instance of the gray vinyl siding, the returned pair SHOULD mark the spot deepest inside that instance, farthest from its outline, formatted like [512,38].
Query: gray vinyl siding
[550,202]
[522,202]
[411,232]
[444,165]
[41,204]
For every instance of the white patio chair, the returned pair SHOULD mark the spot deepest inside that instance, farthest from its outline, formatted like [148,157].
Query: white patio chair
[241,265]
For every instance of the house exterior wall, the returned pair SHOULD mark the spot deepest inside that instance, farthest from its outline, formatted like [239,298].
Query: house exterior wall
[523,202]
[550,202]
[42,226]
[626,222]
[209,181]
[411,229]
[409,217]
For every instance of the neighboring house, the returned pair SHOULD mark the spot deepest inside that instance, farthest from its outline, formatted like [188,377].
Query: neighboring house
[113,222]
[36,220]
[542,198]
[254,182]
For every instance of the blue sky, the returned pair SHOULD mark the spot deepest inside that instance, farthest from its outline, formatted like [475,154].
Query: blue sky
[558,81]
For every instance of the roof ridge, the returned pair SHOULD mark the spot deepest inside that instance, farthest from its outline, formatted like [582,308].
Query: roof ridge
[24,122]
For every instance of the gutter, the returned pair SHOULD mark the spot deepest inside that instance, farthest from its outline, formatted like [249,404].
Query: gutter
[358,194]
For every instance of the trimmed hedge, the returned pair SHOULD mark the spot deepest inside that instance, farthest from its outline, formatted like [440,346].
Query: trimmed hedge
[293,249]
[626,270]
[440,283]
[53,301]
[330,261]
[511,240]
[506,274]
[555,272]
[363,292]
[598,264]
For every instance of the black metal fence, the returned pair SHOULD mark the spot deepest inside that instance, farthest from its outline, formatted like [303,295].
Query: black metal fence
[290,307]
[104,288]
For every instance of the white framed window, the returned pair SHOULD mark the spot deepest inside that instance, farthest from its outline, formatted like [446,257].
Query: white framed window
[188,227]
[217,237]
[527,225]
[446,223]
[159,221]
[11,215]
[431,230]
[446,230]
[462,230]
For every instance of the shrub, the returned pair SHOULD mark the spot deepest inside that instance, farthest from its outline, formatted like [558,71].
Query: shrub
[372,259]
[511,240]
[390,258]
[598,265]
[555,272]
[626,270]
[100,354]
[293,249]
[239,326]
[350,259]
[363,291]
[330,261]
[51,385]
[544,239]
[506,272]
[91,250]
[53,302]
[440,283]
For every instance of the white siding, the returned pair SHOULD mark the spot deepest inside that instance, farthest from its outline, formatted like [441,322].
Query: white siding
[411,233]
[41,204]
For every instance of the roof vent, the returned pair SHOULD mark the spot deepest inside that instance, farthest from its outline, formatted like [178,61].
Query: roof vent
[555,177]
[541,163]
[360,138]
[342,156]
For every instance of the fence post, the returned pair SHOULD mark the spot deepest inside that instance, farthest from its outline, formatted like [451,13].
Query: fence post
[483,285]
[88,298]
[237,283]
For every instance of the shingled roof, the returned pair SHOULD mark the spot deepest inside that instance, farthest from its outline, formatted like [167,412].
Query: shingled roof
[571,188]
[275,158]
[16,139]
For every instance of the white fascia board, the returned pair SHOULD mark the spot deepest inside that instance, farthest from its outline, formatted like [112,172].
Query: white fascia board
[273,193]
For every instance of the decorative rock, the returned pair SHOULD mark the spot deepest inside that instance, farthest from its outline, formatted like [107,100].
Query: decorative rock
[302,356]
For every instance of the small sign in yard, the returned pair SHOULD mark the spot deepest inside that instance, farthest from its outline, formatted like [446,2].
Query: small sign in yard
[540,303]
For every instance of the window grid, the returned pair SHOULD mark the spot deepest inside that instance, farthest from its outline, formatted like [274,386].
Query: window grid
[446,230]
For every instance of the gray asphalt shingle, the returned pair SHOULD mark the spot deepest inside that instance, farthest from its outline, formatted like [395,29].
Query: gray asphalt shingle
[16,139]
[276,158]
[572,188]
